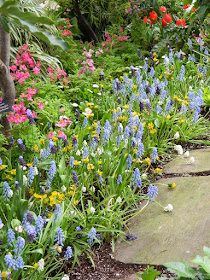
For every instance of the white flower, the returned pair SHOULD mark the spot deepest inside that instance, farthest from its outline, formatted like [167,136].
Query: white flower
[191,160]
[99,93]
[144,176]
[19,229]
[168,208]
[63,188]
[78,153]
[50,5]
[92,188]
[119,199]
[87,112]
[89,90]
[190,88]
[95,86]
[25,180]
[84,143]
[65,277]
[60,86]
[100,151]
[41,265]
[75,105]
[160,103]
[46,103]
[24,167]
[92,210]
[72,213]
[176,135]
[10,194]
[36,172]
[186,154]
[179,149]
[84,189]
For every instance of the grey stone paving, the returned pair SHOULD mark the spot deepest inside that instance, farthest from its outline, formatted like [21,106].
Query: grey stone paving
[172,236]
[179,164]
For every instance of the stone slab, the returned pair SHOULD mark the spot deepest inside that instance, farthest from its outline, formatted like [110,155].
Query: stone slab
[179,164]
[171,236]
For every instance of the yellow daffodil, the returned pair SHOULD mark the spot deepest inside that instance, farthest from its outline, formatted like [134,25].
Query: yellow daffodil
[76,162]
[13,172]
[148,161]
[90,166]
[99,162]
[85,160]
[3,166]
[29,164]
[9,177]
[36,148]
[41,141]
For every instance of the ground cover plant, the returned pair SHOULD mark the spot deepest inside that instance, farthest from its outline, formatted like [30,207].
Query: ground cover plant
[87,142]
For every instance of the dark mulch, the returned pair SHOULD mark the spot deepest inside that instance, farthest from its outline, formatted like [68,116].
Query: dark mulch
[107,268]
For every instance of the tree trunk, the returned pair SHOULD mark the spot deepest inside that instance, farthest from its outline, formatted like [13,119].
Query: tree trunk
[85,27]
[6,82]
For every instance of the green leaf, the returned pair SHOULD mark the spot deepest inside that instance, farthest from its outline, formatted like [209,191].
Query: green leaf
[157,123]
[181,269]
[206,250]
[203,262]
[15,222]
[36,251]
[4,24]
[149,274]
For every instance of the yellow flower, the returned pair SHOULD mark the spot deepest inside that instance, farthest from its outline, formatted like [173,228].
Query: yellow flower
[85,160]
[182,121]
[152,131]
[157,170]
[65,149]
[36,148]
[41,141]
[135,151]
[126,106]
[3,166]
[144,124]
[89,104]
[100,162]
[13,172]
[134,86]
[61,196]
[173,185]
[49,215]
[154,54]
[9,177]
[155,59]
[36,265]
[160,77]
[31,191]
[70,193]
[172,78]
[54,139]
[29,164]
[148,161]
[69,146]
[121,77]
[76,162]
[168,117]
[90,166]
[54,193]
[59,249]
[96,107]
[95,124]
[76,202]
[150,126]
[100,172]
[186,97]
[89,127]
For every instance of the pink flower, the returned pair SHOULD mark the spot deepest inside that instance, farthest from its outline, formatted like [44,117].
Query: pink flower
[66,32]
[24,47]
[36,70]
[62,109]
[38,64]
[40,104]
[50,135]
[60,27]
[61,134]
[62,123]
[50,69]
[13,68]
[121,30]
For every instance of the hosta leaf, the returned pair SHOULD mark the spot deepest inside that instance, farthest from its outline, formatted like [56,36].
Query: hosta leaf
[181,269]
[206,250]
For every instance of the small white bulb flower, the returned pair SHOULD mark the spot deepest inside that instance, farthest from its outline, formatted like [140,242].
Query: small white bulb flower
[92,210]
[92,189]
[25,180]
[65,277]
[179,149]
[119,199]
[78,153]
[95,86]
[75,105]
[19,229]
[176,135]
[84,143]
[144,176]
[84,189]
[41,265]
[191,160]
[186,154]
[168,208]
[63,188]
[36,172]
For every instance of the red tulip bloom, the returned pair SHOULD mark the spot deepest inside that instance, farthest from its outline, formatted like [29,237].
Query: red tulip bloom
[153,15]
[181,22]
[163,9]
[164,22]
[152,22]
[145,19]
[186,6]
[168,18]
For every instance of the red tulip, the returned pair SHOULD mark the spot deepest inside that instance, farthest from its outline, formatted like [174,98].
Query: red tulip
[164,22]
[163,9]
[168,18]
[145,19]
[181,22]
[153,15]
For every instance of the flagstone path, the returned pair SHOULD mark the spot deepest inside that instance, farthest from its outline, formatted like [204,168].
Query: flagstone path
[178,235]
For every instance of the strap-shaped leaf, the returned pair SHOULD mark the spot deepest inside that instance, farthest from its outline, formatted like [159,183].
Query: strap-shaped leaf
[43,35]
[10,9]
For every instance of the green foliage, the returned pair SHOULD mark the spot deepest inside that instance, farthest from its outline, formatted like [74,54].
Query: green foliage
[149,274]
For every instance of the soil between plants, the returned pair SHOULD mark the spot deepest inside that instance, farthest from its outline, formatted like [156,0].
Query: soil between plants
[107,268]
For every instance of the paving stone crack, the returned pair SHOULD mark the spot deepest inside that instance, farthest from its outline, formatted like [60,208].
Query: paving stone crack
[189,174]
